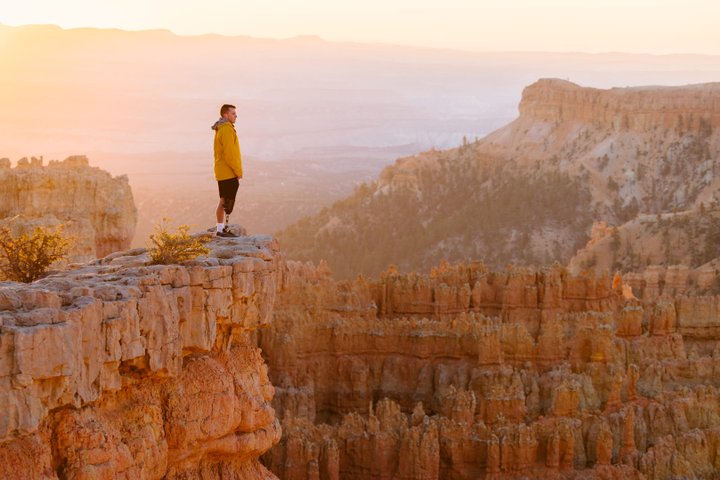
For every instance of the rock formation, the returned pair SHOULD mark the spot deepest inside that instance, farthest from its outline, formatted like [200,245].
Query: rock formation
[672,253]
[95,209]
[636,109]
[470,373]
[118,369]
[530,192]
[121,370]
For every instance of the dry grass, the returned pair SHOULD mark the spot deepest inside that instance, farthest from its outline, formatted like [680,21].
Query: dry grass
[27,257]
[175,247]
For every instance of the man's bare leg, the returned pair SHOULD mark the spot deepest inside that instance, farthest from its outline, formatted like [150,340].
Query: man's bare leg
[220,212]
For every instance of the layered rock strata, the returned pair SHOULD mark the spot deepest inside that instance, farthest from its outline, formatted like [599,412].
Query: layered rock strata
[467,373]
[94,209]
[122,370]
[639,109]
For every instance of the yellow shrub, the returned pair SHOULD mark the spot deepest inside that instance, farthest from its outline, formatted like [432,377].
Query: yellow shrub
[175,247]
[27,257]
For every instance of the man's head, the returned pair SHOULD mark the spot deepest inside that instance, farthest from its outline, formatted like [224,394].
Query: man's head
[229,113]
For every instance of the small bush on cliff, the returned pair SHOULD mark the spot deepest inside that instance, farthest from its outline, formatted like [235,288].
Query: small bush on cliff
[27,257]
[175,247]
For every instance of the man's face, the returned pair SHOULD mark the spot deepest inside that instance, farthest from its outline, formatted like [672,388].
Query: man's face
[231,115]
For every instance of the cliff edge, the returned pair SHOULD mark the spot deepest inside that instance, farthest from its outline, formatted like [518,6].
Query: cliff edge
[121,370]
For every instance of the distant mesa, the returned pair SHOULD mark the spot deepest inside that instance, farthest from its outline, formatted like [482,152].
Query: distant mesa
[93,207]
[631,108]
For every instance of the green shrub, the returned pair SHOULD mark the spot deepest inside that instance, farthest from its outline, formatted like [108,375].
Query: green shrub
[27,257]
[168,247]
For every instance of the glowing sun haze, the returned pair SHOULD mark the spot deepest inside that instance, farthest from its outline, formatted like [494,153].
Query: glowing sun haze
[642,26]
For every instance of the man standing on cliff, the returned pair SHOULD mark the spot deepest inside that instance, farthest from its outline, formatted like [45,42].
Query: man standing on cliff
[228,167]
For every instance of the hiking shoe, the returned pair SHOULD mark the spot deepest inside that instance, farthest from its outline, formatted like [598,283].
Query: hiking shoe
[226,233]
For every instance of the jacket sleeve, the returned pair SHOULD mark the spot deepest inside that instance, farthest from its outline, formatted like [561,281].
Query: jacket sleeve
[231,151]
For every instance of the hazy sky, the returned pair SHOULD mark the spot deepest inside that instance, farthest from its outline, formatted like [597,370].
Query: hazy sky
[649,26]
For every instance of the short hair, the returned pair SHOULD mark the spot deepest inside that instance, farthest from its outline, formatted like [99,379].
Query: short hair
[225,108]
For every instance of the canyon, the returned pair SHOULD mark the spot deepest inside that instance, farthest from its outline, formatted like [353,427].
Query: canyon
[468,373]
[245,365]
[252,363]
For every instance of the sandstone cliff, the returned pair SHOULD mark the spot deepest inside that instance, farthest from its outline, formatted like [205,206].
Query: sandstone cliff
[469,373]
[94,208]
[119,370]
[529,192]
[638,109]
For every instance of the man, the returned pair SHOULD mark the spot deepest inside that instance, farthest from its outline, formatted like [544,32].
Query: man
[228,167]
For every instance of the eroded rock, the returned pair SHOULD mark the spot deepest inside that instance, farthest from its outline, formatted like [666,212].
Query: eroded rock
[136,371]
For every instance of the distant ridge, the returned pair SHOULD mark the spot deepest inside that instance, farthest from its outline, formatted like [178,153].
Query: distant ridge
[529,192]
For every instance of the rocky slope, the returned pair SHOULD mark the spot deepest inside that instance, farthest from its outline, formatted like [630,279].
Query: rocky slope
[94,208]
[469,373]
[120,370]
[690,238]
[529,192]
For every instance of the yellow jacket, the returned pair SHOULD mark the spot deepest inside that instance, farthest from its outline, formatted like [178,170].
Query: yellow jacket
[228,162]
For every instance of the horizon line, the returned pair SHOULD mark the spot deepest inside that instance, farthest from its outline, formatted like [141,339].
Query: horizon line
[319,39]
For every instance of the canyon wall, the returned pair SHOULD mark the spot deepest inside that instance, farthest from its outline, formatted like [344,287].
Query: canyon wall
[467,373]
[95,209]
[123,370]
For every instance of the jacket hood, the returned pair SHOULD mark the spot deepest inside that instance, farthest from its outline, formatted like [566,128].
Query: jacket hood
[217,124]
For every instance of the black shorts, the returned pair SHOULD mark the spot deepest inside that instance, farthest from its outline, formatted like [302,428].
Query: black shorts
[228,188]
